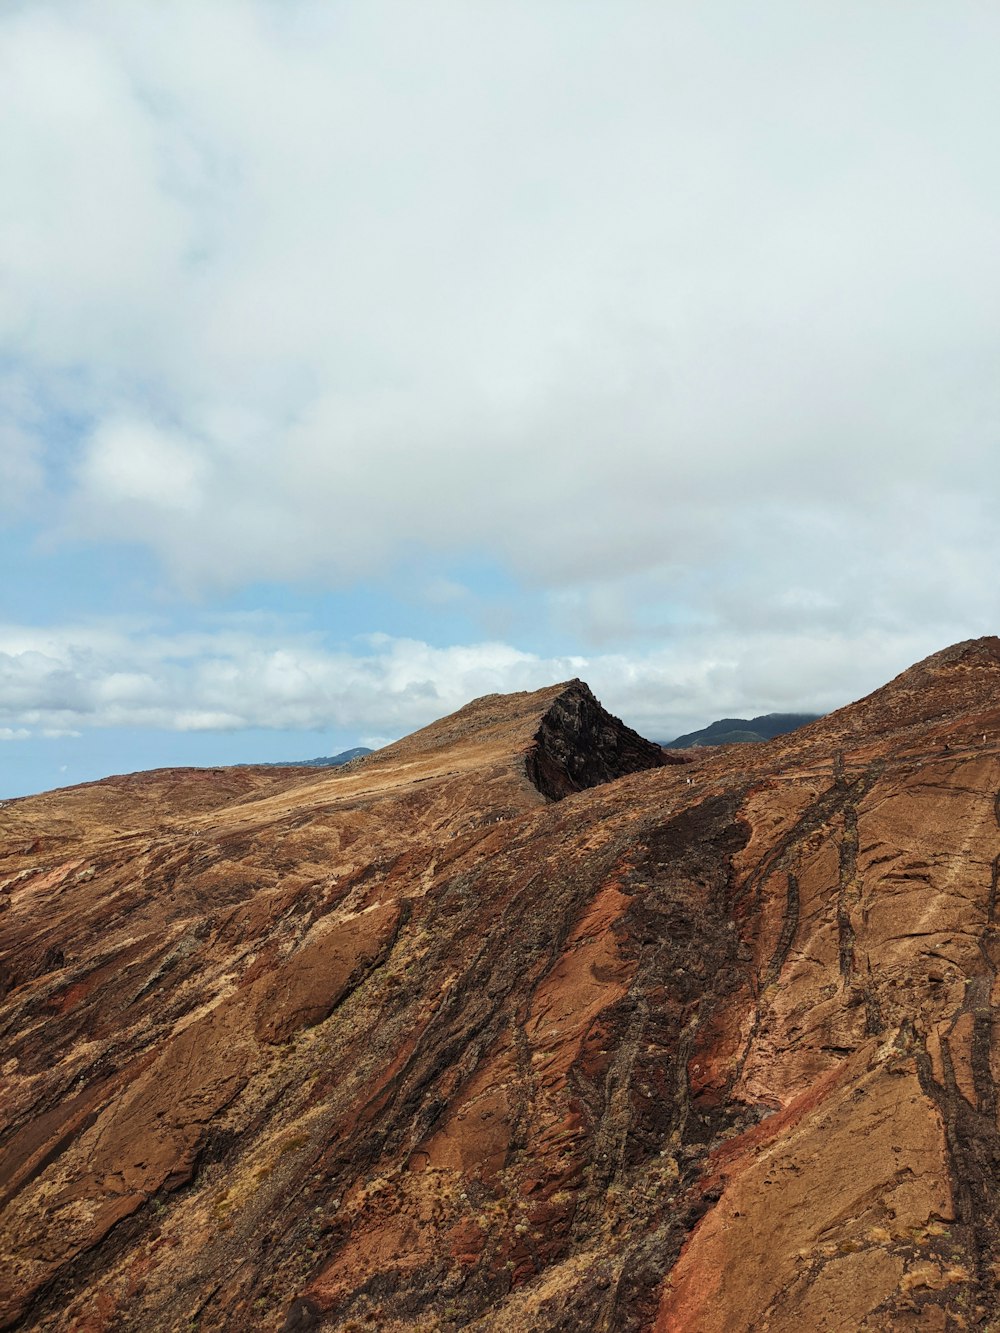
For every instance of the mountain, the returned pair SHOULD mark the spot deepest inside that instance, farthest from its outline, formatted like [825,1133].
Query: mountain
[742,730]
[326,761]
[516,1026]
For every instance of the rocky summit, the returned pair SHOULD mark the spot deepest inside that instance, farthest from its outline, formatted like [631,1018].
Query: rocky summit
[516,1025]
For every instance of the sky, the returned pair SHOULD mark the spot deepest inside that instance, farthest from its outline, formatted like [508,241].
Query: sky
[358,358]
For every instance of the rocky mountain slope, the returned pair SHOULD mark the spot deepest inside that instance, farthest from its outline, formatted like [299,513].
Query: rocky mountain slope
[516,1026]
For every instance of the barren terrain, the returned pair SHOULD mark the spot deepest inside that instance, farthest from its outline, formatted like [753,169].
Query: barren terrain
[519,1024]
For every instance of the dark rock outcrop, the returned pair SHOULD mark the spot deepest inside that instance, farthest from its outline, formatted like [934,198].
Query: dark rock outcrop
[579,745]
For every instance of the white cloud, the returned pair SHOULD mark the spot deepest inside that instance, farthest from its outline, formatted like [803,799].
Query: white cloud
[694,299]
[131,463]
[67,679]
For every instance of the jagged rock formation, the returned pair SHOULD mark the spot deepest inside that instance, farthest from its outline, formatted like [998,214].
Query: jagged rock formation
[412,1045]
[579,745]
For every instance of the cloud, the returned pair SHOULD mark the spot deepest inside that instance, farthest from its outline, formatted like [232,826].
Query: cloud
[112,675]
[129,464]
[68,679]
[695,304]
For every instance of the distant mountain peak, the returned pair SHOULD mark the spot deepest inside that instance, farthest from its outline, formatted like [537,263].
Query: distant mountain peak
[325,761]
[741,730]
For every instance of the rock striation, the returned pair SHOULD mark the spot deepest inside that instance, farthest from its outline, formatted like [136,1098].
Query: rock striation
[516,1026]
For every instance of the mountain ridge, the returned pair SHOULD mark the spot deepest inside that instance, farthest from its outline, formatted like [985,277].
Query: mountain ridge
[742,730]
[516,1026]
[323,761]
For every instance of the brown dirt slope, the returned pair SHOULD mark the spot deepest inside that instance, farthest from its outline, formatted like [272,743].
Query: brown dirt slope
[513,1026]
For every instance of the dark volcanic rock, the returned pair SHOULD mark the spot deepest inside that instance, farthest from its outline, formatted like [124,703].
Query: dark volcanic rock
[579,745]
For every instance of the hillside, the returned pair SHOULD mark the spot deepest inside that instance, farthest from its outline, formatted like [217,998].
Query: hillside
[516,1025]
[323,761]
[743,730]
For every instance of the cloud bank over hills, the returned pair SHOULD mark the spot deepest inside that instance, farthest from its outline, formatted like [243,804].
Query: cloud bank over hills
[64,680]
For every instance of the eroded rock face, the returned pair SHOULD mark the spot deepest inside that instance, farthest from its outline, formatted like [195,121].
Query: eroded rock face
[472,1035]
[579,745]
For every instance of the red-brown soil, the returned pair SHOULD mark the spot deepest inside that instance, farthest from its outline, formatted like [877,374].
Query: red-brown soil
[516,1025]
